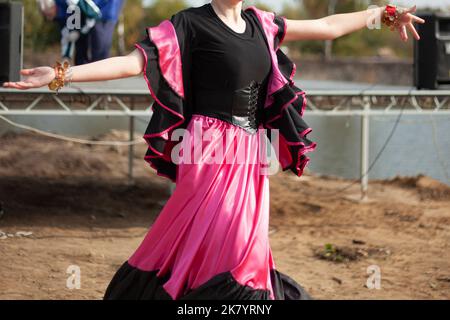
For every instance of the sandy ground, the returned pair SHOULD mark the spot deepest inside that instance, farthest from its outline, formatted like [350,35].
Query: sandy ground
[65,204]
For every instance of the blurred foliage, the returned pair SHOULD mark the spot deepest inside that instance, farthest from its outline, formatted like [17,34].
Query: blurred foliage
[134,23]
[136,17]
[163,9]
[40,33]
[362,43]
[258,4]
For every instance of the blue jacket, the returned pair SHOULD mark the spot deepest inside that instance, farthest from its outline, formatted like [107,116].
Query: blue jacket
[110,9]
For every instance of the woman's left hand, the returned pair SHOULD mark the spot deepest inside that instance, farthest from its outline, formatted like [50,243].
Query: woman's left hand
[405,24]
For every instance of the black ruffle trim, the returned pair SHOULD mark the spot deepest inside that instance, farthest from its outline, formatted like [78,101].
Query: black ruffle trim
[168,113]
[286,115]
[130,283]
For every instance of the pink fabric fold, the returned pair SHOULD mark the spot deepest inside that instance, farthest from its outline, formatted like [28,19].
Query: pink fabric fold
[165,38]
[217,218]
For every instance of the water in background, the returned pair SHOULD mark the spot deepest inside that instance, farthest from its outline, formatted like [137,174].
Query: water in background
[420,145]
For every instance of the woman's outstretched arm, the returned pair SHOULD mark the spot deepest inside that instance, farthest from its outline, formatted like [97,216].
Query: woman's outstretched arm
[107,69]
[337,25]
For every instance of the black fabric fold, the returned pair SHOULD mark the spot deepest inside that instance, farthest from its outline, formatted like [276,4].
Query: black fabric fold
[286,115]
[280,22]
[131,283]
[168,113]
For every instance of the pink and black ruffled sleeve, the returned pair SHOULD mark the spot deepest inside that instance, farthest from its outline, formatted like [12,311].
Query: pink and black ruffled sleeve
[165,50]
[280,22]
[285,103]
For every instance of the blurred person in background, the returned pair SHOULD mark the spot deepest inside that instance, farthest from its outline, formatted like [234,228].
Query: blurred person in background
[92,39]
[96,44]
[217,68]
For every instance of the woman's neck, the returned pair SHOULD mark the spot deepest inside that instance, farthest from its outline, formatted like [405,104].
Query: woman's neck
[229,10]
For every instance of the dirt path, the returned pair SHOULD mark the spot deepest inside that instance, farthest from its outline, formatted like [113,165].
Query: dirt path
[75,202]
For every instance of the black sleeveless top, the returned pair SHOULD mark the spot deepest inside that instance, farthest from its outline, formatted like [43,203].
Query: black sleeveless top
[228,70]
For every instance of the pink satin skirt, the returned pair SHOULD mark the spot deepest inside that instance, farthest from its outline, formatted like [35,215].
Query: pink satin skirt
[217,218]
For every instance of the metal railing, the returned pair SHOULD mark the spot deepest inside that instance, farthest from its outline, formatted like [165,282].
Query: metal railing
[134,103]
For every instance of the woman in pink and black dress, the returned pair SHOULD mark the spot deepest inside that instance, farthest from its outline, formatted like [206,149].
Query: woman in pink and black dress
[217,72]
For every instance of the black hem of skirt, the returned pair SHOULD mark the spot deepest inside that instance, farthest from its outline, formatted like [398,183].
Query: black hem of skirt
[131,283]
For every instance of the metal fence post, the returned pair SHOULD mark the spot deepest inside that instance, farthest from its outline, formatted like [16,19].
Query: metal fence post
[365,148]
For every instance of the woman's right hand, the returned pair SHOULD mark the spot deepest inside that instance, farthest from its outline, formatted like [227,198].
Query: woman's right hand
[33,78]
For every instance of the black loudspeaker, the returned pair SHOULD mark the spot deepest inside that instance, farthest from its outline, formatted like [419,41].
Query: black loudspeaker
[11,30]
[432,52]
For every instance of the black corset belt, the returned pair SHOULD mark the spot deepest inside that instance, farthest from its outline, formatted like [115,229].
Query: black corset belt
[242,107]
